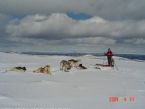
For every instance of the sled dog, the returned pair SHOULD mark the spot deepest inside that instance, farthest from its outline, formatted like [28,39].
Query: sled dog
[45,70]
[65,65]
[18,69]
[74,63]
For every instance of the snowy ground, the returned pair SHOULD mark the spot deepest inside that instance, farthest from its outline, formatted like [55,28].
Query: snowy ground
[77,89]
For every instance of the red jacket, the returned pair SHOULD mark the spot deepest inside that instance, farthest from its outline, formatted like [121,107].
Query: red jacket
[109,54]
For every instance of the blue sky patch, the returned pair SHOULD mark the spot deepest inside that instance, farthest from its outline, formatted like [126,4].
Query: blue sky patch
[78,16]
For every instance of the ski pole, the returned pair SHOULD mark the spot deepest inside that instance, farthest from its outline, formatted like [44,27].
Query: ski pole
[116,66]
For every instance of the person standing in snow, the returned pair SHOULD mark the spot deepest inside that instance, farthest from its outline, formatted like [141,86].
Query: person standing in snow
[109,55]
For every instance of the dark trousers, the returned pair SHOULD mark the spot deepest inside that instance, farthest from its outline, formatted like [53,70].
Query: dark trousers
[109,60]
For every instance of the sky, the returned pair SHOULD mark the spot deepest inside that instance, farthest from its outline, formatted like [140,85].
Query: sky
[72,26]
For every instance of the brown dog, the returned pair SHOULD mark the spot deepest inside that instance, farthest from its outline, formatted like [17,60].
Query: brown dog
[65,65]
[45,70]
[74,63]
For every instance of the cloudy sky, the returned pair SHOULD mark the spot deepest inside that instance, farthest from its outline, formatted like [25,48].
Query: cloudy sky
[72,26]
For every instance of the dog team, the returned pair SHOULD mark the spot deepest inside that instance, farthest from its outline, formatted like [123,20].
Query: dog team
[65,65]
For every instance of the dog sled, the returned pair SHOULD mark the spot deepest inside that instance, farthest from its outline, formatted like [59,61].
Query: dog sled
[104,66]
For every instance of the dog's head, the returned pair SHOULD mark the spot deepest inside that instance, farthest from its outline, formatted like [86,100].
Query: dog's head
[24,68]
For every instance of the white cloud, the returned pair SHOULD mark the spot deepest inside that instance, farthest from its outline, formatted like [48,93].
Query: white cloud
[38,26]
[136,41]
[59,26]
[140,41]
[90,41]
[114,22]
[108,9]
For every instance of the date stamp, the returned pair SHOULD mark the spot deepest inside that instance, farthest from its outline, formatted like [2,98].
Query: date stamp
[125,99]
